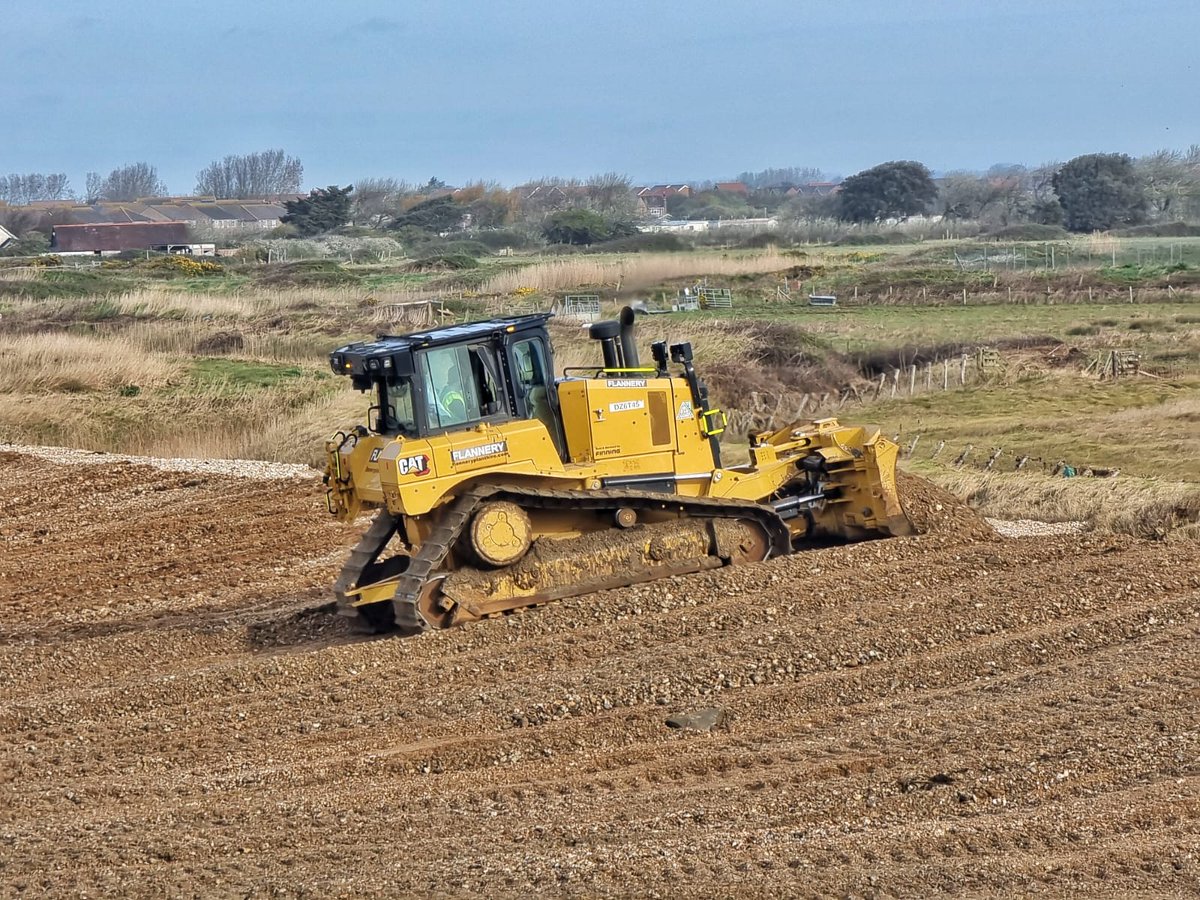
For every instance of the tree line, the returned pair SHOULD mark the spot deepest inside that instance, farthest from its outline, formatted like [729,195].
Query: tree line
[1096,191]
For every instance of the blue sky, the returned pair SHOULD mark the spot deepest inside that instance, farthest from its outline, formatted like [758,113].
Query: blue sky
[656,89]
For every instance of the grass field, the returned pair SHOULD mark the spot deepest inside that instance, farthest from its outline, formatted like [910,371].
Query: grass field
[138,358]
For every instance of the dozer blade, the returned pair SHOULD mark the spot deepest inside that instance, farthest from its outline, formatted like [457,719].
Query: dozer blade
[857,471]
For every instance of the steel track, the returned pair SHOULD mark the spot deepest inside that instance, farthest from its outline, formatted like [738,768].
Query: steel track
[455,515]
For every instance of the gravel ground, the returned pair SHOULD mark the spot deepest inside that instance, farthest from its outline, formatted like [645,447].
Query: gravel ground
[235,468]
[953,713]
[1022,528]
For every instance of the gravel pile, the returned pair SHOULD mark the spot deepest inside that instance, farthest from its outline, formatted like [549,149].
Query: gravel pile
[934,510]
[1024,528]
[235,468]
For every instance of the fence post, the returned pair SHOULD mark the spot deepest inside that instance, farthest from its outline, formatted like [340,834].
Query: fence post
[992,460]
[912,446]
[962,457]
[946,374]
[962,370]
[895,381]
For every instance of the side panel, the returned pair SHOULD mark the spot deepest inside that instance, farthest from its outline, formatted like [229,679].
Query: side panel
[573,403]
[416,474]
[693,453]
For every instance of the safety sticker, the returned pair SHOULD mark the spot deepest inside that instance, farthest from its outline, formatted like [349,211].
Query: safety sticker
[685,411]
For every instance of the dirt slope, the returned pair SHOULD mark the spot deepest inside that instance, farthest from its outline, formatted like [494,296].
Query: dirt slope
[951,713]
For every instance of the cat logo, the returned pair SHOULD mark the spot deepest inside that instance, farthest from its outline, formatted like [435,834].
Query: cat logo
[413,465]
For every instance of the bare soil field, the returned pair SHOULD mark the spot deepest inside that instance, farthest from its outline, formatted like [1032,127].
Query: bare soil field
[954,713]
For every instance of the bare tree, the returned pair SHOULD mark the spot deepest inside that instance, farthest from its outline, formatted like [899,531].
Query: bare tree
[1171,179]
[488,204]
[261,174]
[788,175]
[377,201]
[612,195]
[129,182]
[19,190]
[20,220]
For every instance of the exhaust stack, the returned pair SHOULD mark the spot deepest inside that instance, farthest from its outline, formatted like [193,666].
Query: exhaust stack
[617,341]
[628,344]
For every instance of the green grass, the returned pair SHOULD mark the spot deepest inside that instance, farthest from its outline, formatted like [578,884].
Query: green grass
[240,373]
[1142,426]
[396,279]
[227,284]
[858,328]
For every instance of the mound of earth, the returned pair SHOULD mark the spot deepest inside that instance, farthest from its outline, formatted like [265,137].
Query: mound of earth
[934,510]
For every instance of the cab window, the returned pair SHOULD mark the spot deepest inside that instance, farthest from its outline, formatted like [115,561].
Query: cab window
[461,385]
[532,378]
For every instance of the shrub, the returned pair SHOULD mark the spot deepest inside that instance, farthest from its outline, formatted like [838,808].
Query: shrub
[442,247]
[179,264]
[1027,232]
[31,243]
[499,238]
[1164,229]
[854,239]
[443,263]
[762,239]
[642,243]
[307,273]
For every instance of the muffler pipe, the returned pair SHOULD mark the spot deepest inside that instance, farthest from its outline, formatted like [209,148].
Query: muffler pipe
[628,344]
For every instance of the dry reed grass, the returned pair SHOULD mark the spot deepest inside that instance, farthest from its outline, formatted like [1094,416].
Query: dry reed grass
[1144,507]
[198,337]
[166,303]
[21,273]
[56,362]
[1097,244]
[643,270]
[714,341]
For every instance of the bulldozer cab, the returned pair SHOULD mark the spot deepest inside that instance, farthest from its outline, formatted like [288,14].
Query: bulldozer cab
[457,377]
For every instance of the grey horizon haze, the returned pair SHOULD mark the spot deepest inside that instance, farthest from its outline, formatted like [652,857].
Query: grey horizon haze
[658,90]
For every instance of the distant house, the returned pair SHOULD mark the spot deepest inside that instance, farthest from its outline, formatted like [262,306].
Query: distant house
[114,237]
[731,187]
[554,197]
[816,189]
[241,215]
[652,201]
[262,215]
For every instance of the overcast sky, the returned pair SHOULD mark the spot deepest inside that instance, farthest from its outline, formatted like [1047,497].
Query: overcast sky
[657,89]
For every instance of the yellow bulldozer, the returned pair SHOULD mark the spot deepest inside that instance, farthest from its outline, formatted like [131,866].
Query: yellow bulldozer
[500,487]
